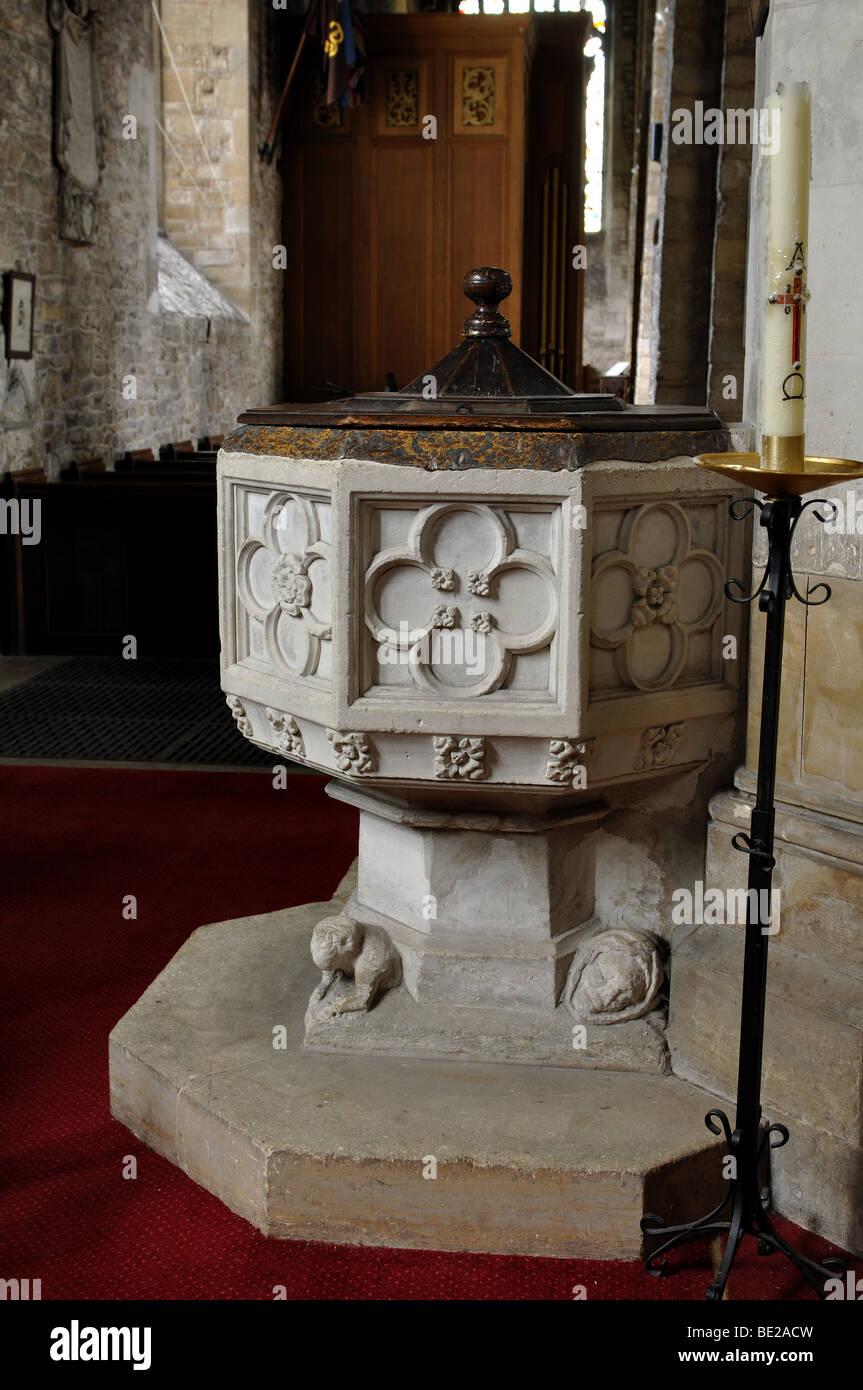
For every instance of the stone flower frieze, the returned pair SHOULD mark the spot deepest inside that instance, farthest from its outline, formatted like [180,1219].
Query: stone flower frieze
[653,596]
[286,733]
[657,746]
[566,761]
[283,583]
[241,719]
[353,752]
[459,758]
[506,608]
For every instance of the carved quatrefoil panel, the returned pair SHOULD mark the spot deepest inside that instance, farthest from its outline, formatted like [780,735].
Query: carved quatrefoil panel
[465,603]
[654,601]
[283,585]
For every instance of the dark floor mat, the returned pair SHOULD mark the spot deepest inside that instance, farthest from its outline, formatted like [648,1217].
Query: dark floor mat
[97,709]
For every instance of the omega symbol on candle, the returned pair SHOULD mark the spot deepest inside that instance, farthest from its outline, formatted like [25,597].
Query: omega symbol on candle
[794,300]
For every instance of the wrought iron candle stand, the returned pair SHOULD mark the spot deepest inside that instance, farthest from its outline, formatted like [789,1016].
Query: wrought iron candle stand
[746,1203]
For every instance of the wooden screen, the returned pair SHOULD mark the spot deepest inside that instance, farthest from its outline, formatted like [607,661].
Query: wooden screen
[388,205]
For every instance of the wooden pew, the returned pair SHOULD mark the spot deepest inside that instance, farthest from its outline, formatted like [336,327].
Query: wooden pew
[171,462]
[128,553]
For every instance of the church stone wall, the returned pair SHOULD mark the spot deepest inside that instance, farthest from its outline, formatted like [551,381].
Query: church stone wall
[98,317]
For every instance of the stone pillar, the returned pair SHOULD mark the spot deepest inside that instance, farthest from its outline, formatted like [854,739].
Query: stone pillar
[485,909]
[732,208]
[687,212]
[608,279]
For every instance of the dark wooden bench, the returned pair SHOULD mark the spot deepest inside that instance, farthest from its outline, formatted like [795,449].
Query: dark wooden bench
[171,461]
[120,553]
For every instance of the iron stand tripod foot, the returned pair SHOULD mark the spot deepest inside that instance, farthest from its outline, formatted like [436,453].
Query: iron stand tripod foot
[745,1202]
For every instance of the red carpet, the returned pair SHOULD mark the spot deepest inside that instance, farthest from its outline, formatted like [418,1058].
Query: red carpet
[192,848]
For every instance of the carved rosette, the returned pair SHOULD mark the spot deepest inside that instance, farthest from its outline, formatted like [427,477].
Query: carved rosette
[615,976]
[657,746]
[499,618]
[402,97]
[478,583]
[566,759]
[445,616]
[283,579]
[354,752]
[459,758]
[478,93]
[287,733]
[652,596]
[291,584]
[442,578]
[655,596]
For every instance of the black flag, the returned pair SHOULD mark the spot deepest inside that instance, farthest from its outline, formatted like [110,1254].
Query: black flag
[343,56]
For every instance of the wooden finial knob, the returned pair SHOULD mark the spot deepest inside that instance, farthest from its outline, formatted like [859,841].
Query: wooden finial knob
[487,286]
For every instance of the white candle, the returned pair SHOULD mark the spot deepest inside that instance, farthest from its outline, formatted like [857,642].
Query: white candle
[784,363]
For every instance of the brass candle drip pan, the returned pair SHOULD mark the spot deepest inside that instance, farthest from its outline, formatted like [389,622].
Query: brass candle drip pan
[817,472]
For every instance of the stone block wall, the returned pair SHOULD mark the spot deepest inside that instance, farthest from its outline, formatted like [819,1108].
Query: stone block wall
[98,315]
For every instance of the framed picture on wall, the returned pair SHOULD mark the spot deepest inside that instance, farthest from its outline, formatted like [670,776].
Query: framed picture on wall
[19,292]
[758,12]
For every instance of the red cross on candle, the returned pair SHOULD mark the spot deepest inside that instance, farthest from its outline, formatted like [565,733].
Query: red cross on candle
[794,299]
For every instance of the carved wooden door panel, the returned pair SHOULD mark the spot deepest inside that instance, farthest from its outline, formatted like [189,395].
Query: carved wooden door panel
[388,205]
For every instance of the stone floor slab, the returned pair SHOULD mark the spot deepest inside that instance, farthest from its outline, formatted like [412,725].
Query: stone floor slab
[530,1159]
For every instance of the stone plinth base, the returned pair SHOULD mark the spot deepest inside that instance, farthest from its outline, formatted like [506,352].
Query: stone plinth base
[530,1159]
[484,909]
[400,1026]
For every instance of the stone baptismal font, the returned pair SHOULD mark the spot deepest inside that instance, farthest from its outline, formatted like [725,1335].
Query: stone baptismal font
[492,611]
